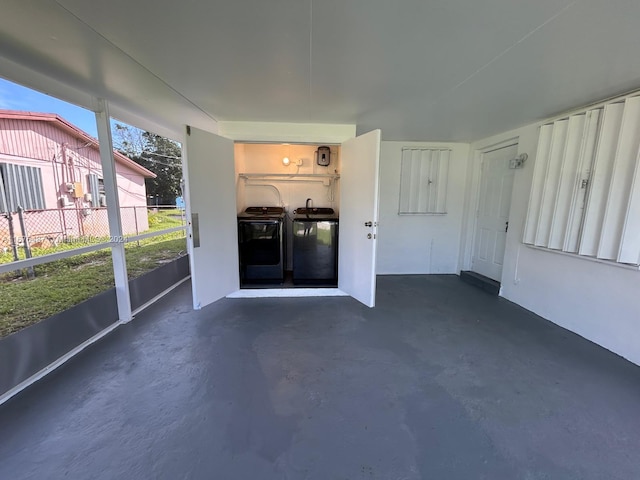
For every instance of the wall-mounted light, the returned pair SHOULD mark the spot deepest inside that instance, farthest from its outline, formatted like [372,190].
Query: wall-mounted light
[518,162]
[285,160]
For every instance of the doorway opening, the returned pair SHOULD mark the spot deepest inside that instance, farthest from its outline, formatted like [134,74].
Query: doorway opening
[288,205]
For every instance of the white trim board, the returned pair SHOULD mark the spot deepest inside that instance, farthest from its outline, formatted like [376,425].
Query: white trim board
[287,292]
[159,296]
[307,133]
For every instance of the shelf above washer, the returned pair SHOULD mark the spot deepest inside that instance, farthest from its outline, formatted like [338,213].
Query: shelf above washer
[289,175]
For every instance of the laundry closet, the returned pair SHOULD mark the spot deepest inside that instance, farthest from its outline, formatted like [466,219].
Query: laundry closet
[326,205]
[287,199]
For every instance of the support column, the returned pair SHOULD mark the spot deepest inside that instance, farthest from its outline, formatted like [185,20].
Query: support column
[113,211]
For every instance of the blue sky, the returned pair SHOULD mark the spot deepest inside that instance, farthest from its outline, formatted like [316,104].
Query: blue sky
[17,97]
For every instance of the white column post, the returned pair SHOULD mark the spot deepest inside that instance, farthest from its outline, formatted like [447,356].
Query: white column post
[113,211]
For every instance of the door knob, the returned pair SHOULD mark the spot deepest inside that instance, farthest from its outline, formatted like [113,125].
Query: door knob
[368,224]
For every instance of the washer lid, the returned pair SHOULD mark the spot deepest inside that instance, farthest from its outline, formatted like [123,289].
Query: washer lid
[315,215]
[264,210]
[314,211]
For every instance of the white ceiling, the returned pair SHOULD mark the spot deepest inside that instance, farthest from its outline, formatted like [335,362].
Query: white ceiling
[447,70]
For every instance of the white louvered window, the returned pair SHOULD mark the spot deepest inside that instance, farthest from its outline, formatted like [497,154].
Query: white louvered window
[20,186]
[423,181]
[585,195]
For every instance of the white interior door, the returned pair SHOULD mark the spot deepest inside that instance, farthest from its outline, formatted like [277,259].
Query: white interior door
[496,185]
[359,217]
[211,207]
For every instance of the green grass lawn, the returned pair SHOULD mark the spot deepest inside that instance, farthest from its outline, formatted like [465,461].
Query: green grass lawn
[64,283]
[165,219]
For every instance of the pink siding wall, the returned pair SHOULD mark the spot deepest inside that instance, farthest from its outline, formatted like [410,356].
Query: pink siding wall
[41,144]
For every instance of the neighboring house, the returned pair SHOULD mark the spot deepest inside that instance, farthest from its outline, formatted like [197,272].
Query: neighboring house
[52,170]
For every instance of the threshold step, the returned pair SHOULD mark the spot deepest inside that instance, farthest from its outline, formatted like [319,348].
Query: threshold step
[485,283]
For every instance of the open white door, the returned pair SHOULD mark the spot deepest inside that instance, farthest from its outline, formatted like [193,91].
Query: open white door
[211,207]
[359,217]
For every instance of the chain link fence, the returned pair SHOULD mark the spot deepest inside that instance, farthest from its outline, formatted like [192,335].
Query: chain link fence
[34,293]
[24,234]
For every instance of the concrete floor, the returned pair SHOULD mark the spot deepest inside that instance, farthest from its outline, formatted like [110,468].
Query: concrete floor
[440,381]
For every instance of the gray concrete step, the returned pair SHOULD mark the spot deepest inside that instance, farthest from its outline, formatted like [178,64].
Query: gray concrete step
[485,283]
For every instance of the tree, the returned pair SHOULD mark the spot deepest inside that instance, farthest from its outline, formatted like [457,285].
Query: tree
[157,154]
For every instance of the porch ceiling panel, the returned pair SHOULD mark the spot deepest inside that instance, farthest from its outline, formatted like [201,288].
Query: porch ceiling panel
[443,70]
[41,36]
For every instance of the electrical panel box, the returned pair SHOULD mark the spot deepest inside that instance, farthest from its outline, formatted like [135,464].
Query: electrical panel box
[323,156]
[77,190]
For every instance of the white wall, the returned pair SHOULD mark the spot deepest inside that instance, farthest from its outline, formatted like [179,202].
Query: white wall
[596,300]
[265,158]
[419,244]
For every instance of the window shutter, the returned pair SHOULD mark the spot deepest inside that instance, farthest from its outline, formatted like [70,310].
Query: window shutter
[22,187]
[621,181]
[585,194]
[424,175]
[600,179]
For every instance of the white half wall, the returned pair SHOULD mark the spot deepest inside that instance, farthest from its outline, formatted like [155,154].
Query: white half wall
[597,300]
[419,244]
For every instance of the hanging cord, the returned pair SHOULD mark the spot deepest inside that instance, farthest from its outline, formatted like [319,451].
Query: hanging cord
[331,190]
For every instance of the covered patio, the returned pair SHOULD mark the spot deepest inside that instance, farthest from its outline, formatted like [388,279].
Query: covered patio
[440,380]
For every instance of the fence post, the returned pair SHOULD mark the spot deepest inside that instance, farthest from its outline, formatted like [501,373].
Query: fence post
[80,220]
[135,219]
[63,216]
[25,242]
[12,238]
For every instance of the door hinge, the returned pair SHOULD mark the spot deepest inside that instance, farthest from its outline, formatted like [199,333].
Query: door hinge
[188,130]
[584,183]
